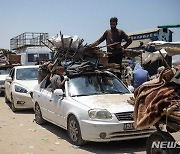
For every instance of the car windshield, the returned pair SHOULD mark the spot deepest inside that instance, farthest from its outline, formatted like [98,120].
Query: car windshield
[95,84]
[5,71]
[26,74]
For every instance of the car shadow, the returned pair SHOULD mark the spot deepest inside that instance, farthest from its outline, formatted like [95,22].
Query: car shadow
[1,94]
[58,131]
[127,146]
[25,111]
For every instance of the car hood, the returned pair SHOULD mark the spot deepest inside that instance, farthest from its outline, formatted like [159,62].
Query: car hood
[28,84]
[114,103]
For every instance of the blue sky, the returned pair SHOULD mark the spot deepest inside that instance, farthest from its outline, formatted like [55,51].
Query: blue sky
[86,18]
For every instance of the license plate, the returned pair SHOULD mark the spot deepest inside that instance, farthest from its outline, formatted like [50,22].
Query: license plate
[129,126]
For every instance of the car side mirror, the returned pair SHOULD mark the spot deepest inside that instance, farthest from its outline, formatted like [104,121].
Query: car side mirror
[9,79]
[58,92]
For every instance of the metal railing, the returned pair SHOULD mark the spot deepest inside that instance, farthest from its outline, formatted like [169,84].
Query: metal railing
[28,39]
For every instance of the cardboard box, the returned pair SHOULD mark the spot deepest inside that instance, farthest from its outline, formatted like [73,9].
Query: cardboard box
[13,58]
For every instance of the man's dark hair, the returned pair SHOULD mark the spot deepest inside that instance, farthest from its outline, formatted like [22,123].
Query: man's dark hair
[114,19]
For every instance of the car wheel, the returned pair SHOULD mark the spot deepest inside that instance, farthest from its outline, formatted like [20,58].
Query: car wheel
[13,108]
[38,116]
[158,137]
[74,131]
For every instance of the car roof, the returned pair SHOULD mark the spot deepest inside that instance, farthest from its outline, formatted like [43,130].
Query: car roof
[26,66]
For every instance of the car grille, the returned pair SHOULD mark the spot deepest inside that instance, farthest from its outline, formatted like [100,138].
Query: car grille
[125,116]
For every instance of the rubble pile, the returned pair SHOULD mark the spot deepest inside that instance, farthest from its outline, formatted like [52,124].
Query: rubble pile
[69,52]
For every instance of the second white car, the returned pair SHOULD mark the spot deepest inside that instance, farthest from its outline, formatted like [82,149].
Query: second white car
[18,86]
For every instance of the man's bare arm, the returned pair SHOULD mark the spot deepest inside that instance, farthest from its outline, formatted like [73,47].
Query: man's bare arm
[128,42]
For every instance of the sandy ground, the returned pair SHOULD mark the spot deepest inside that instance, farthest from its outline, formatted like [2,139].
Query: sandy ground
[19,134]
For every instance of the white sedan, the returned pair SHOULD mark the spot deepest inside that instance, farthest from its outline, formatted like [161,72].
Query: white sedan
[18,86]
[4,71]
[92,107]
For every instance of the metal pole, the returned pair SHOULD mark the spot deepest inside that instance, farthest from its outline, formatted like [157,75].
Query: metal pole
[164,60]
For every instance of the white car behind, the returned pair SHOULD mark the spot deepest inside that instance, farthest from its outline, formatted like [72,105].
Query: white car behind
[93,107]
[18,85]
[4,71]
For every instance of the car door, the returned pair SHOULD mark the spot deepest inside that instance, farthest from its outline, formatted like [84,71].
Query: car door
[44,103]
[8,84]
[54,104]
[39,96]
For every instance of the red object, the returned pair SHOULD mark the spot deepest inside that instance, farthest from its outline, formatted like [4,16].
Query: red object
[177,68]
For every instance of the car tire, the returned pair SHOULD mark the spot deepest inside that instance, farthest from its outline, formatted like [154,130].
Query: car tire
[74,131]
[13,108]
[38,115]
[160,136]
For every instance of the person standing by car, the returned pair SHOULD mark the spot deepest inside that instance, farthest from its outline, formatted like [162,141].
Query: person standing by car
[114,36]
[139,76]
[57,79]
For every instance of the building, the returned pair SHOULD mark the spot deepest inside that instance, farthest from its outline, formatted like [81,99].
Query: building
[142,38]
[31,47]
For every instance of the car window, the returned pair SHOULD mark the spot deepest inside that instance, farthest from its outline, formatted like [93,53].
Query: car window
[45,83]
[32,57]
[95,84]
[5,71]
[44,56]
[26,73]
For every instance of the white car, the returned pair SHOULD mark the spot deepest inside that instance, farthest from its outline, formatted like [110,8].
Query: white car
[18,86]
[4,71]
[93,107]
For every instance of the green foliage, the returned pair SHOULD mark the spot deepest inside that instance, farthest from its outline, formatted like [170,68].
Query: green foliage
[6,51]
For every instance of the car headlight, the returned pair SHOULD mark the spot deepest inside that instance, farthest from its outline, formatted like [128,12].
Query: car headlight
[99,114]
[20,89]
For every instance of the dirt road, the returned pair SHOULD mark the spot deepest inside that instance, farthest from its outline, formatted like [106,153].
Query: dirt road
[19,134]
